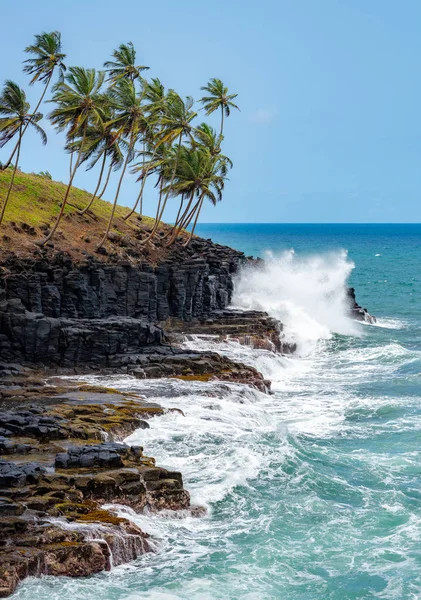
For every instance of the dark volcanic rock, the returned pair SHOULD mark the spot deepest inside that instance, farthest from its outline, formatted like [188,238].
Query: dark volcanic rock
[73,479]
[248,327]
[201,366]
[357,312]
[56,313]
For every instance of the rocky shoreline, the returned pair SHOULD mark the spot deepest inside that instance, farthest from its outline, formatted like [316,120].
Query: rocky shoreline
[62,461]
[56,469]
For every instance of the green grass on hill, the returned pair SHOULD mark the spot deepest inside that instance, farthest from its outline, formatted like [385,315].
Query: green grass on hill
[36,200]
[33,208]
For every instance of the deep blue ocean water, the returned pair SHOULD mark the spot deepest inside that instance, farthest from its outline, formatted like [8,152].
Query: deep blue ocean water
[313,492]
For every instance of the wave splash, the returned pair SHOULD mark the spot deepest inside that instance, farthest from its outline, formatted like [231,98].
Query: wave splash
[307,293]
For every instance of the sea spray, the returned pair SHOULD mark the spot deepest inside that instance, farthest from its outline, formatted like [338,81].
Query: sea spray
[327,500]
[307,293]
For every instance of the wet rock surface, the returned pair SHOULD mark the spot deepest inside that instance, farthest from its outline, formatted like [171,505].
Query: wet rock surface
[60,460]
[247,327]
[57,469]
[357,312]
[201,366]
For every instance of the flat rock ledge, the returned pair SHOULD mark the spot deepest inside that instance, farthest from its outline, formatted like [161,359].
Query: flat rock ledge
[247,327]
[59,466]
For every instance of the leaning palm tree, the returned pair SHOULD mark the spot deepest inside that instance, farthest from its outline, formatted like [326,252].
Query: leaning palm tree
[199,175]
[206,138]
[80,103]
[211,187]
[205,135]
[48,58]
[175,123]
[218,98]
[154,97]
[155,106]
[124,64]
[102,142]
[130,123]
[16,119]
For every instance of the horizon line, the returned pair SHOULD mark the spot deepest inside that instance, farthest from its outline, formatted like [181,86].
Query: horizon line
[308,223]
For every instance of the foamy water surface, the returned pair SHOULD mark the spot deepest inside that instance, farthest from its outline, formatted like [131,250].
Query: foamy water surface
[312,492]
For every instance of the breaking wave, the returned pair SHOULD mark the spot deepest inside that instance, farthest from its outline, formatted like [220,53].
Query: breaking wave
[308,294]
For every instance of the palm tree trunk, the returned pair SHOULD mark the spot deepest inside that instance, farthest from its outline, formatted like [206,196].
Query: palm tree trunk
[195,221]
[71,161]
[66,195]
[184,223]
[179,210]
[13,176]
[88,206]
[129,214]
[159,214]
[222,120]
[107,231]
[28,123]
[177,228]
[170,231]
[139,198]
[143,166]
[187,219]
[107,181]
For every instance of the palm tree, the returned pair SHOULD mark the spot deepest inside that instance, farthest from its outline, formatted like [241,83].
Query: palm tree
[155,98]
[124,64]
[16,119]
[102,142]
[199,175]
[48,58]
[155,105]
[175,123]
[219,98]
[206,138]
[130,122]
[80,103]
[211,187]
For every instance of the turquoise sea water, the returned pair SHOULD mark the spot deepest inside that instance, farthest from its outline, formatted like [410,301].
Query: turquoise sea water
[313,492]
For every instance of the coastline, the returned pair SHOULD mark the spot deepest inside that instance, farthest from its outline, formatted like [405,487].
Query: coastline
[59,456]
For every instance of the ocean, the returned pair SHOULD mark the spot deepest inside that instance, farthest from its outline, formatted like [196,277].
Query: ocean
[313,492]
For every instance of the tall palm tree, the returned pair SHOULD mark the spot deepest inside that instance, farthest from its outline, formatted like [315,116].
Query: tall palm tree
[218,98]
[102,142]
[176,123]
[48,58]
[130,123]
[16,119]
[80,103]
[154,107]
[211,187]
[205,137]
[124,64]
[154,97]
[200,175]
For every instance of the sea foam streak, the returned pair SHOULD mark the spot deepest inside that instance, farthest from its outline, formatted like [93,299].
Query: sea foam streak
[308,294]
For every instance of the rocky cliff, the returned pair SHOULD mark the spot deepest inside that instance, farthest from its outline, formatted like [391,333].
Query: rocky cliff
[58,313]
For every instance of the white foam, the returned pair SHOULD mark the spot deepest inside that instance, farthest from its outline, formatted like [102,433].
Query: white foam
[308,294]
[388,323]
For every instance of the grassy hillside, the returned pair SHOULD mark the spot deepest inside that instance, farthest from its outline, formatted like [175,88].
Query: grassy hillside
[34,205]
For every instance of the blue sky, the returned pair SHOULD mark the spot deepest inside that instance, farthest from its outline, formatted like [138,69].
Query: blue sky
[329,90]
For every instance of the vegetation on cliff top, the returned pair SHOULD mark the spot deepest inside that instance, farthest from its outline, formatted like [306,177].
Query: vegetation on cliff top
[34,204]
[120,121]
